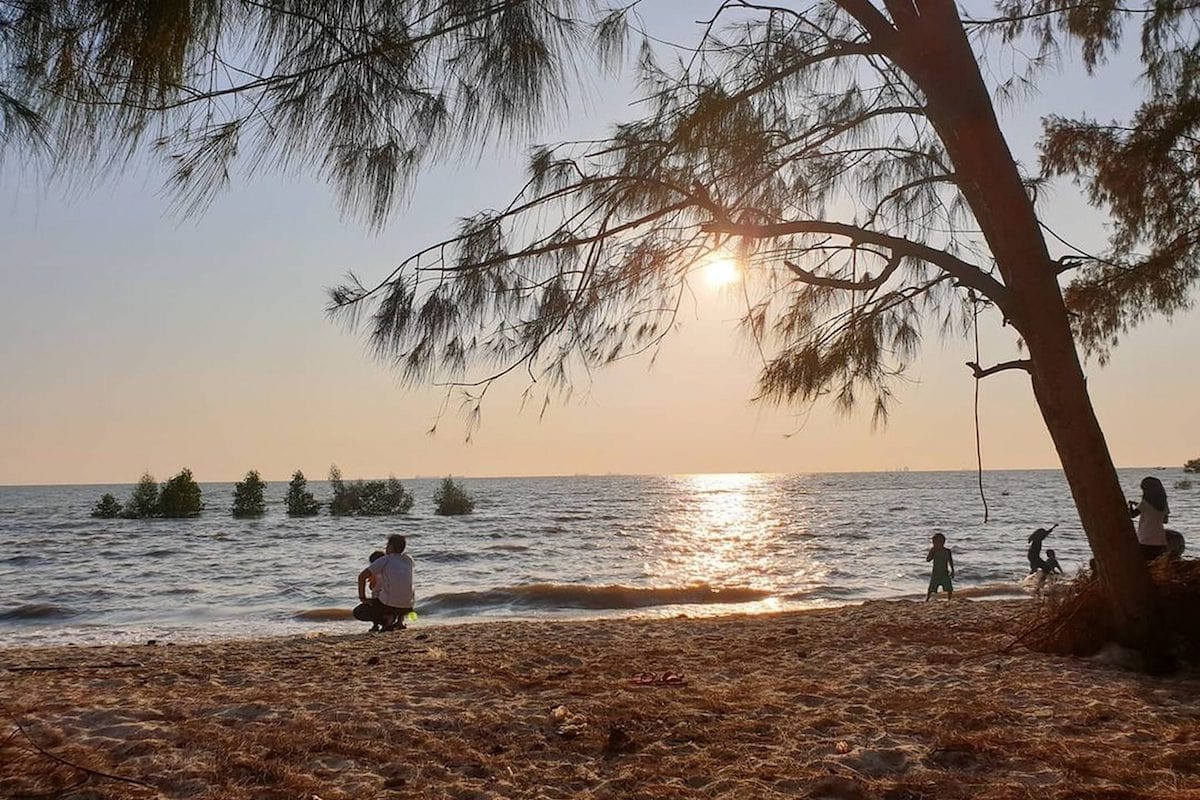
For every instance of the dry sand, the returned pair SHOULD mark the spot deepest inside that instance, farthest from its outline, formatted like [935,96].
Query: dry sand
[887,700]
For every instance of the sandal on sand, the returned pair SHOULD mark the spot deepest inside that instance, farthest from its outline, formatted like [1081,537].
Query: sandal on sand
[659,679]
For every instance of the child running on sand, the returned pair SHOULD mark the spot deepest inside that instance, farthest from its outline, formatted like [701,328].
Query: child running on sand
[943,567]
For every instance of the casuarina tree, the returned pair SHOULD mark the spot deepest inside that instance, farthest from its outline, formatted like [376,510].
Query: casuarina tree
[849,156]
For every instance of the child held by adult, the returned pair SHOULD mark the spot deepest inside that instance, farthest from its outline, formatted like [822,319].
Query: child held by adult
[392,575]
[367,610]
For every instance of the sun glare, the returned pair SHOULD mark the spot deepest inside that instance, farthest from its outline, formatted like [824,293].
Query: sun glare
[721,272]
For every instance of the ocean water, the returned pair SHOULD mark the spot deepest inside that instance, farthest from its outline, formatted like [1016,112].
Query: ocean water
[584,546]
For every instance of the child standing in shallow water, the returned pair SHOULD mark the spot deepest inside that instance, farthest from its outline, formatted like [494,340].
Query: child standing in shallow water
[943,567]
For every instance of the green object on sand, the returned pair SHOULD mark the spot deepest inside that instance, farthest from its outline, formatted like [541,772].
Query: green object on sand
[412,616]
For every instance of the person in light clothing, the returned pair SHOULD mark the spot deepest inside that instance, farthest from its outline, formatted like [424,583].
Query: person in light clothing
[1152,514]
[392,581]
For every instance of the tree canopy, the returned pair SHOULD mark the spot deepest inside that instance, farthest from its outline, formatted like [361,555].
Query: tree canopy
[797,139]
[362,93]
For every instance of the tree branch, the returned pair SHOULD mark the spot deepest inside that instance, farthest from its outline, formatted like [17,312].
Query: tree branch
[963,272]
[979,372]
[867,285]
[867,15]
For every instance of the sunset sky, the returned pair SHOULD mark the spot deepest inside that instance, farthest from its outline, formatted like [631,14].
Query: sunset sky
[133,339]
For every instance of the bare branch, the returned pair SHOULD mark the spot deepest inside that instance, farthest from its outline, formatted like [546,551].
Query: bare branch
[964,272]
[867,285]
[980,372]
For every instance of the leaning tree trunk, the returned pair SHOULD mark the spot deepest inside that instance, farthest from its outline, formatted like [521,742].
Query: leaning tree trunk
[934,51]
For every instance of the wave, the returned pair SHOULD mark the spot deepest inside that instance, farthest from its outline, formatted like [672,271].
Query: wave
[323,614]
[23,559]
[37,611]
[994,590]
[447,556]
[551,596]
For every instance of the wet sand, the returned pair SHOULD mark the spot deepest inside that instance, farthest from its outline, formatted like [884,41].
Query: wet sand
[890,700]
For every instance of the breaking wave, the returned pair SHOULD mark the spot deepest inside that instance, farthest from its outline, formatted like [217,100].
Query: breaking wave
[552,596]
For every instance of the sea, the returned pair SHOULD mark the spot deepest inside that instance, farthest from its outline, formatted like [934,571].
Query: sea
[534,548]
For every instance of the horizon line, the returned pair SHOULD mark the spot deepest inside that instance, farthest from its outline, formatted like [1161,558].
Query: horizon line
[422,477]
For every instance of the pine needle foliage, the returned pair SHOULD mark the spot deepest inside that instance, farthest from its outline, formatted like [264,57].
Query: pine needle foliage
[361,92]
[797,140]
[1144,171]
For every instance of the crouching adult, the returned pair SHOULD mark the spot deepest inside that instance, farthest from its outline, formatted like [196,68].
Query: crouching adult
[392,581]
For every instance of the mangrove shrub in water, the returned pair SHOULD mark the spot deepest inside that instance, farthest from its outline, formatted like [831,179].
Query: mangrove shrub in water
[180,497]
[106,507]
[1192,466]
[452,500]
[248,496]
[300,502]
[144,500]
[367,498]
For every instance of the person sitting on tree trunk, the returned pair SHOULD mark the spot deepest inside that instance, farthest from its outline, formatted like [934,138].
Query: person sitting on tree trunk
[1152,513]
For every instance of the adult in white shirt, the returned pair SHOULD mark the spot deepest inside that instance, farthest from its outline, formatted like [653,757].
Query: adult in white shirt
[392,579]
[1152,514]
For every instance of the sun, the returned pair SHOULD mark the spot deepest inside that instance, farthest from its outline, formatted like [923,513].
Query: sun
[721,272]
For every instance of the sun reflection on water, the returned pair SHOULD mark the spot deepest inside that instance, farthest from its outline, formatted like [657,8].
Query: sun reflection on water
[731,530]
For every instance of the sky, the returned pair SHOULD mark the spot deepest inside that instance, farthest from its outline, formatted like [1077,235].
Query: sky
[133,338]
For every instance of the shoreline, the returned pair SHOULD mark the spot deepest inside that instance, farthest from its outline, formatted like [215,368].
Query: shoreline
[315,621]
[888,699]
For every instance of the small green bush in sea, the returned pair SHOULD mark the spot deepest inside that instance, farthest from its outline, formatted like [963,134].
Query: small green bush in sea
[1183,484]
[106,507]
[367,498]
[452,500]
[248,496]
[144,500]
[180,497]
[1192,466]
[300,502]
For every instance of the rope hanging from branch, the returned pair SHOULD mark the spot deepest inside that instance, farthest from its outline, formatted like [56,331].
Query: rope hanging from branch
[978,442]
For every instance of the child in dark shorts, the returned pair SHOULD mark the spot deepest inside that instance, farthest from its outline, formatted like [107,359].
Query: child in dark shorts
[943,567]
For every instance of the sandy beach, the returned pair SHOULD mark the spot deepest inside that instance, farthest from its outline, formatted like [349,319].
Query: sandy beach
[887,700]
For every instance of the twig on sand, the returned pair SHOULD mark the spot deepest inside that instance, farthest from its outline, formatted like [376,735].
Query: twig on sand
[64,667]
[87,770]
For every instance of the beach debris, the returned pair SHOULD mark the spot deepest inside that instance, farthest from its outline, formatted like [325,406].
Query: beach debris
[619,741]
[842,748]
[565,723]
[151,642]
[373,660]
[835,787]
[881,762]
[667,678]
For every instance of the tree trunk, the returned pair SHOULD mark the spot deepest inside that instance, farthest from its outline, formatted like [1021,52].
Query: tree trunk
[933,50]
